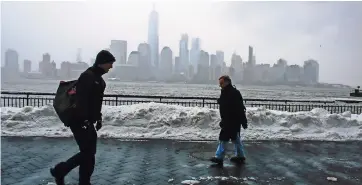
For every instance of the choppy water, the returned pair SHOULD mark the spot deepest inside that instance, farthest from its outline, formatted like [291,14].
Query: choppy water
[144,88]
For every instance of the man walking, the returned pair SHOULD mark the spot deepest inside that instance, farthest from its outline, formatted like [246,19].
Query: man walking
[232,113]
[89,96]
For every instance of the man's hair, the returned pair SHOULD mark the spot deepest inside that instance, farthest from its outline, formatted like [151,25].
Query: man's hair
[226,78]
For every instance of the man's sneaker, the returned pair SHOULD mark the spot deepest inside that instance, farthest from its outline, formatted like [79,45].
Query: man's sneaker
[216,160]
[237,159]
[58,180]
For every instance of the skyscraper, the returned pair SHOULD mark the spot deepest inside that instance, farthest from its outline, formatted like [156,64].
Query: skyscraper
[251,56]
[195,53]
[144,61]
[27,66]
[220,57]
[212,69]
[203,66]
[153,37]
[12,61]
[237,66]
[311,71]
[166,63]
[184,52]
[177,65]
[133,58]
[145,55]
[119,49]
[45,65]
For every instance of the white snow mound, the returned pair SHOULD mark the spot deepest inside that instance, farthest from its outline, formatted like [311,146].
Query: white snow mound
[155,120]
[190,182]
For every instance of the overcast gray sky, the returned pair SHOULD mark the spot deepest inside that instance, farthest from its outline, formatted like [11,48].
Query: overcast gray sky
[330,32]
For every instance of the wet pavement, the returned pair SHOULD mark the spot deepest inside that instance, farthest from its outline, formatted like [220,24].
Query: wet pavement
[26,161]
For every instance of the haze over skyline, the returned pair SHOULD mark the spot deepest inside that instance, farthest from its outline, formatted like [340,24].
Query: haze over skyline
[329,32]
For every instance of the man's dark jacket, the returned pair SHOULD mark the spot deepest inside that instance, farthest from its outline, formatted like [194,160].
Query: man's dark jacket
[232,113]
[89,96]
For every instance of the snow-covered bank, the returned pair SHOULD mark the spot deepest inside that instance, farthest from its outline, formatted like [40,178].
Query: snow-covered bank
[154,120]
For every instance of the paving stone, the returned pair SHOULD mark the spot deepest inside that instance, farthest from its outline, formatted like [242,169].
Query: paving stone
[27,161]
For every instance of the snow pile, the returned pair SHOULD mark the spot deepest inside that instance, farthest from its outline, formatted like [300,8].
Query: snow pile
[222,178]
[190,182]
[225,178]
[332,179]
[155,120]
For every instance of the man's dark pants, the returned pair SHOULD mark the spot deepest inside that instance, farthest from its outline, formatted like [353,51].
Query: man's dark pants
[86,139]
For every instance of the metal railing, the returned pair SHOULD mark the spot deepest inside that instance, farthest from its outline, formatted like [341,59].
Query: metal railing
[21,99]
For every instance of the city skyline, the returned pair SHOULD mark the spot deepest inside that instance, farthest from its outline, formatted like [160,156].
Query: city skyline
[205,42]
[184,49]
[139,68]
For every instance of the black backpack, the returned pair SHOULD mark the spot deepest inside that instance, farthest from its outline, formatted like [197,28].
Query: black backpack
[64,102]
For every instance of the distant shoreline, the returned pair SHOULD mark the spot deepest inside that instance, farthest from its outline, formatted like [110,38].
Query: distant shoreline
[288,84]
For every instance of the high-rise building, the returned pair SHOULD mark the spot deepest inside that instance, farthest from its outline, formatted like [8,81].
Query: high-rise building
[184,53]
[213,64]
[70,70]
[251,56]
[53,69]
[65,70]
[11,61]
[119,49]
[191,72]
[282,63]
[213,60]
[224,69]
[45,66]
[262,73]
[311,71]
[145,55]
[144,65]
[237,66]
[294,73]
[236,61]
[166,63]
[177,65]
[249,68]
[204,58]
[220,57]
[124,52]
[153,37]
[195,54]
[133,58]
[27,66]
[46,57]
[277,73]
[220,63]
[203,67]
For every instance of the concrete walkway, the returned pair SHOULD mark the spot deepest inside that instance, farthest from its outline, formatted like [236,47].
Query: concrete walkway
[26,161]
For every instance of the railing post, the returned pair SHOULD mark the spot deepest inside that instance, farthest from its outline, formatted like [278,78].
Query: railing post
[203,102]
[285,106]
[27,99]
[116,100]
